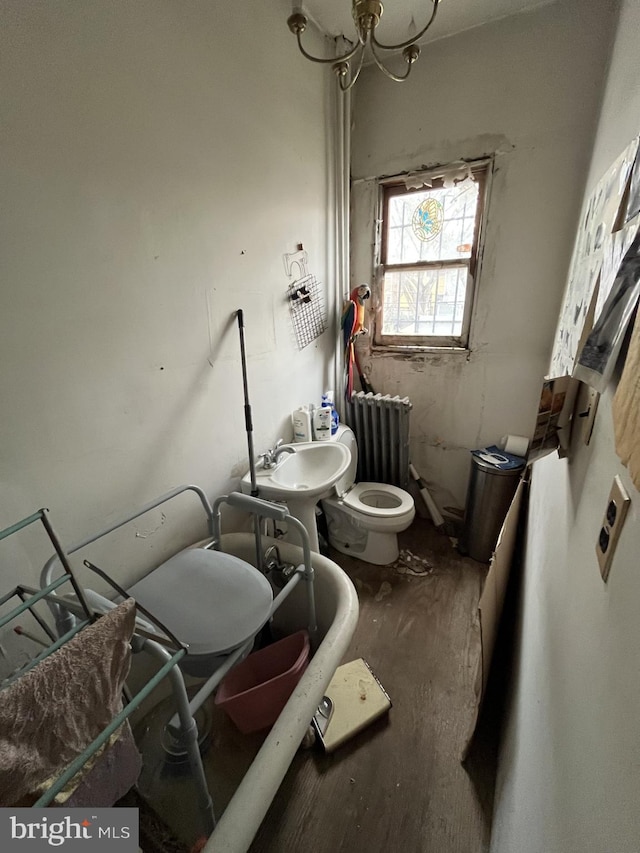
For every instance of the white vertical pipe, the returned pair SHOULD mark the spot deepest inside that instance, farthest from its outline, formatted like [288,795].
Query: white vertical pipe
[342,143]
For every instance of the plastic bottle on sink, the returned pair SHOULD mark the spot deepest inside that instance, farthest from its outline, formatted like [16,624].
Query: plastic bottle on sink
[302,428]
[322,421]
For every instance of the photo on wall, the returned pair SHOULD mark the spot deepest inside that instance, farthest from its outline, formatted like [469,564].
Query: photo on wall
[600,217]
[614,251]
[633,204]
[555,398]
[600,352]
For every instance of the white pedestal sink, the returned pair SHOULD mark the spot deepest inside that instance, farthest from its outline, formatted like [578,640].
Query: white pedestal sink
[302,478]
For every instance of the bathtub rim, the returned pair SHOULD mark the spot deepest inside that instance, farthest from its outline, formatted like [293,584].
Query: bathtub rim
[245,812]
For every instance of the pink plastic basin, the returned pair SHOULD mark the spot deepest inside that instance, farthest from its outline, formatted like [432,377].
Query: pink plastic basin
[255,692]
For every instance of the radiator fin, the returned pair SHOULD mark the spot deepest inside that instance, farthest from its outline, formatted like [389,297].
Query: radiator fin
[381,427]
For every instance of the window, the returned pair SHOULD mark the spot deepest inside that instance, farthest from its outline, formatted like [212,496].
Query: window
[428,256]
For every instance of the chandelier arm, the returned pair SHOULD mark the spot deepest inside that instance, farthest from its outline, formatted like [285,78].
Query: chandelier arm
[410,41]
[355,74]
[347,56]
[395,77]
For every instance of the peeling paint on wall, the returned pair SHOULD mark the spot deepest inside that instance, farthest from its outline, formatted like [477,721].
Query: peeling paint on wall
[464,399]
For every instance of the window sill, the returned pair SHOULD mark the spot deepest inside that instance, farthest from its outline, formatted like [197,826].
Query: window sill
[381,350]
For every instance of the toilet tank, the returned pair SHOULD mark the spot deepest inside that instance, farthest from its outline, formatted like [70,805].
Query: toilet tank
[345,436]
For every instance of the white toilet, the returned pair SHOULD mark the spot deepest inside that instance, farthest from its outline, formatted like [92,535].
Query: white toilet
[363,519]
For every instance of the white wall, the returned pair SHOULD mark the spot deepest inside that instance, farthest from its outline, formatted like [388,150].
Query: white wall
[525,88]
[159,158]
[569,769]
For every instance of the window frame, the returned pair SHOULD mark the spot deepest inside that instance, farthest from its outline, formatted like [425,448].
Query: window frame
[397,185]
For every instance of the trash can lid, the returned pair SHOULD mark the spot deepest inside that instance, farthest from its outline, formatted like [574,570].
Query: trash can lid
[497,461]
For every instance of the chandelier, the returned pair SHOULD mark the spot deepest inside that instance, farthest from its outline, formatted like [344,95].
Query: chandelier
[366,15]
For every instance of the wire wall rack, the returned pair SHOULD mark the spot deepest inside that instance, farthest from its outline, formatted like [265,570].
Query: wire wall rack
[308,314]
[306,299]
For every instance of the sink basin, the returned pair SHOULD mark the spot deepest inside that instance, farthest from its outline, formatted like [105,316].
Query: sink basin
[301,479]
[309,472]
[312,469]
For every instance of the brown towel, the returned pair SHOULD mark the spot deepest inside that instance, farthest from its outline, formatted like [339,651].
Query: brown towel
[51,714]
[102,783]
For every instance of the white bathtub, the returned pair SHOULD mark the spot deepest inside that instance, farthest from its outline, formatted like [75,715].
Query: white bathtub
[337,614]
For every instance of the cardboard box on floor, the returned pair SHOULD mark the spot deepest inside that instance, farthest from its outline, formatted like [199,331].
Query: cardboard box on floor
[491,603]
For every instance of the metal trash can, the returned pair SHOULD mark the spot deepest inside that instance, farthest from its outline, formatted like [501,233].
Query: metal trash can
[491,490]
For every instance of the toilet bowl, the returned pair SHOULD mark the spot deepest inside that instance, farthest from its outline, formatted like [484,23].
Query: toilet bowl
[363,519]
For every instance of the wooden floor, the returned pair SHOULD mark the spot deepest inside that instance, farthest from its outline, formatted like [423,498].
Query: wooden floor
[400,785]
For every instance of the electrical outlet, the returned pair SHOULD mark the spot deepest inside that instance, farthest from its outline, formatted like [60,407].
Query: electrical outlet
[609,533]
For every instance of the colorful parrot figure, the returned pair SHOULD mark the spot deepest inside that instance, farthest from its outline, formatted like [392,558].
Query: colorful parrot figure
[352,325]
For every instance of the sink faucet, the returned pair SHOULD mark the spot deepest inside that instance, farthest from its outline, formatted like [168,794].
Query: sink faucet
[270,457]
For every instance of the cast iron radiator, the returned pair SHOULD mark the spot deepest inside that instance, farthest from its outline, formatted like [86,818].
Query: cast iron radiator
[381,427]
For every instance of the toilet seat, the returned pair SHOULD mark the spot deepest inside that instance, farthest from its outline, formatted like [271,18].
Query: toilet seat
[190,594]
[378,500]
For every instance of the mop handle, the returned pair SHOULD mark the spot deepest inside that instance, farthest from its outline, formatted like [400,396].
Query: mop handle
[247,406]
[249,426]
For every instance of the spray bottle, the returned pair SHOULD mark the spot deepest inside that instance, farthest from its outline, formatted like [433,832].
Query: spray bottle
[335,417]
